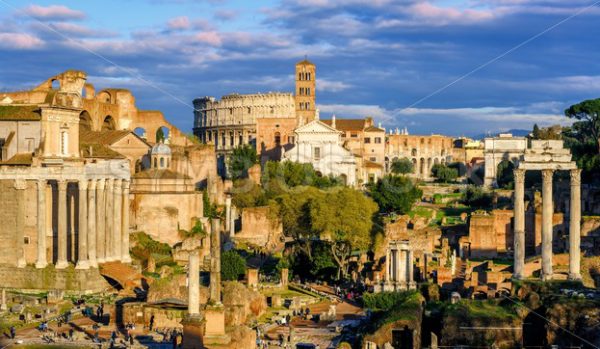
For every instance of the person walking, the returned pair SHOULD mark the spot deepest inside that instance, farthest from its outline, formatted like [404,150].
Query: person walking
[13,332]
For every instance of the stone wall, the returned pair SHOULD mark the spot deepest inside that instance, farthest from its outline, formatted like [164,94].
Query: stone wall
[8,217]
[69,279]
[161,215]
[258,229]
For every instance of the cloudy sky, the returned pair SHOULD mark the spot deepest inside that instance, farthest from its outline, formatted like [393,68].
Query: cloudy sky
[458,67]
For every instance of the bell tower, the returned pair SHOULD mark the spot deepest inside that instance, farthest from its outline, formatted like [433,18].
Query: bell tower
[305,91]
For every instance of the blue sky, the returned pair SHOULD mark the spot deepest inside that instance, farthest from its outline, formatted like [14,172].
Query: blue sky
[374,58]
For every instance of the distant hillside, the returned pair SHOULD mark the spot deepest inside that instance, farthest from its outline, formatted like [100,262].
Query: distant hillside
[514,132]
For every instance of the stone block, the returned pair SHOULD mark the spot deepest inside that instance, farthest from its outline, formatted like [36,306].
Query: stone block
[252,278]
[17,308]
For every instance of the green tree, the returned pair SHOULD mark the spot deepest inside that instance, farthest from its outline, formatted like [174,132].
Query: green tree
[444,173]
[197,230]
[233,266]
[293,209]
[209,209]
[588,115]
[246,193]
[279,177]
[536,132]
[402,166]
[344,218]
[160,135]
[395,194]
[241,159]
[477,197]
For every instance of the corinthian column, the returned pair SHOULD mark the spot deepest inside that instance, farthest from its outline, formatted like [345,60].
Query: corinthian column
[227,211]
[61,262]
[575,226]
[125,224]
[109,219]
[92,223]
[20,186]
[519,224]
[41,261]
[82,248]
[117,203]
[547,213]
[101,222]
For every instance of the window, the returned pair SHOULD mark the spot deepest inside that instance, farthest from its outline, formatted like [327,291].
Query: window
[249,110]
[64,143]
[223,139]
[316,153]
[162,162]
[367,140]
[353,135]
[230,111]
[231,139]
[241,138]
[377,140]
[371,178]
[277,138]
[307,105]
[374,159]
[307,90]
[210,136]
[308,76]
[272,110]
[26,240]
[414,152]
[155,163]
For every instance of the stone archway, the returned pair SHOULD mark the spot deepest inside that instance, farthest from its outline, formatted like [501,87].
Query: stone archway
[85,122]
[109,124]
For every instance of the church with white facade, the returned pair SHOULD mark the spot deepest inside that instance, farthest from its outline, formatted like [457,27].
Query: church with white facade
[320,145]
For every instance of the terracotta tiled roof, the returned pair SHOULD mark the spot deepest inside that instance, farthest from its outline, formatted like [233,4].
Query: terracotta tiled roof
[20,112]
[347,124]
[24,159]
[305,62]
[97,150]
[106,137]
[162,174]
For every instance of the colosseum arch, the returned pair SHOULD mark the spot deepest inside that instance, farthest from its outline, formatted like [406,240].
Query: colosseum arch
[85,121]
[109,123]
[140,132]
[162,133]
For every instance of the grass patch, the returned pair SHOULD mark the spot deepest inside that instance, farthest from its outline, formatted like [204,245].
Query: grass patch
[481,309]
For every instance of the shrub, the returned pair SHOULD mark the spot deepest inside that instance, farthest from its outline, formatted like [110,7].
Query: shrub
[233,266]
[477,197]
[444,173]
[385,301]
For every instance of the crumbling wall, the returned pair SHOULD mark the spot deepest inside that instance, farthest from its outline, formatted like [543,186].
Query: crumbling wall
[258,228]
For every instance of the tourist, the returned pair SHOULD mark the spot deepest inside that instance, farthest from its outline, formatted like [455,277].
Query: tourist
[151,325]
[13,332]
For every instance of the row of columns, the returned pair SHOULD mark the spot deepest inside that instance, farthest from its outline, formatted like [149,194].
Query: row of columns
[103,223]
[547,224]
[399,261]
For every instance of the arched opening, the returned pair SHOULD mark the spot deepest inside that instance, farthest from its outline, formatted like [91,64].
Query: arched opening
[414,167]
[414,152]
[428,166]
[140,131]
[422,166]
[162,162]
[277,139]
[109,124]
[104,97]
[55,84]
[155,163]
[85,121]
[162,134]
[436,161]
[505,177]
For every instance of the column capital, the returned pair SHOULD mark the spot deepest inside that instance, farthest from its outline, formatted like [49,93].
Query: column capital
[547,174]
[519,174]
[126,184]
[20,184]
[92,184]
[575,176]
[62,184]
[42,183]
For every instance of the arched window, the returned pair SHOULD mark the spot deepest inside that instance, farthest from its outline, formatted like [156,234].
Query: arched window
[277,138]
[155,163]
[414,152]
[162,162]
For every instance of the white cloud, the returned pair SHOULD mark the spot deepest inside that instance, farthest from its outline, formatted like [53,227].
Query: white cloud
[331,86]
[53,12]
[20,41]
[179,23]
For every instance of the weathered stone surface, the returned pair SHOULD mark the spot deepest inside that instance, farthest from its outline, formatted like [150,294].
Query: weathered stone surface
[241,304]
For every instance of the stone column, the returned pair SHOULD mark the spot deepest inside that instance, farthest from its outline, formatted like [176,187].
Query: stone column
[61,262]
[82,248]
[20,186]
[92,223]
[388,265]
[519,224]
[232,222]
[194,283]
[547,213]
[116,238]
[109,219]
[125,257]
[411,272]
[575,226]
[101,222]
[400,266]
[227,211]
[215,268]
[41,261]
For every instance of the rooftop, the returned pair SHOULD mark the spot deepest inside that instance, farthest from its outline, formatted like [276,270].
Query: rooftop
[20,113]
